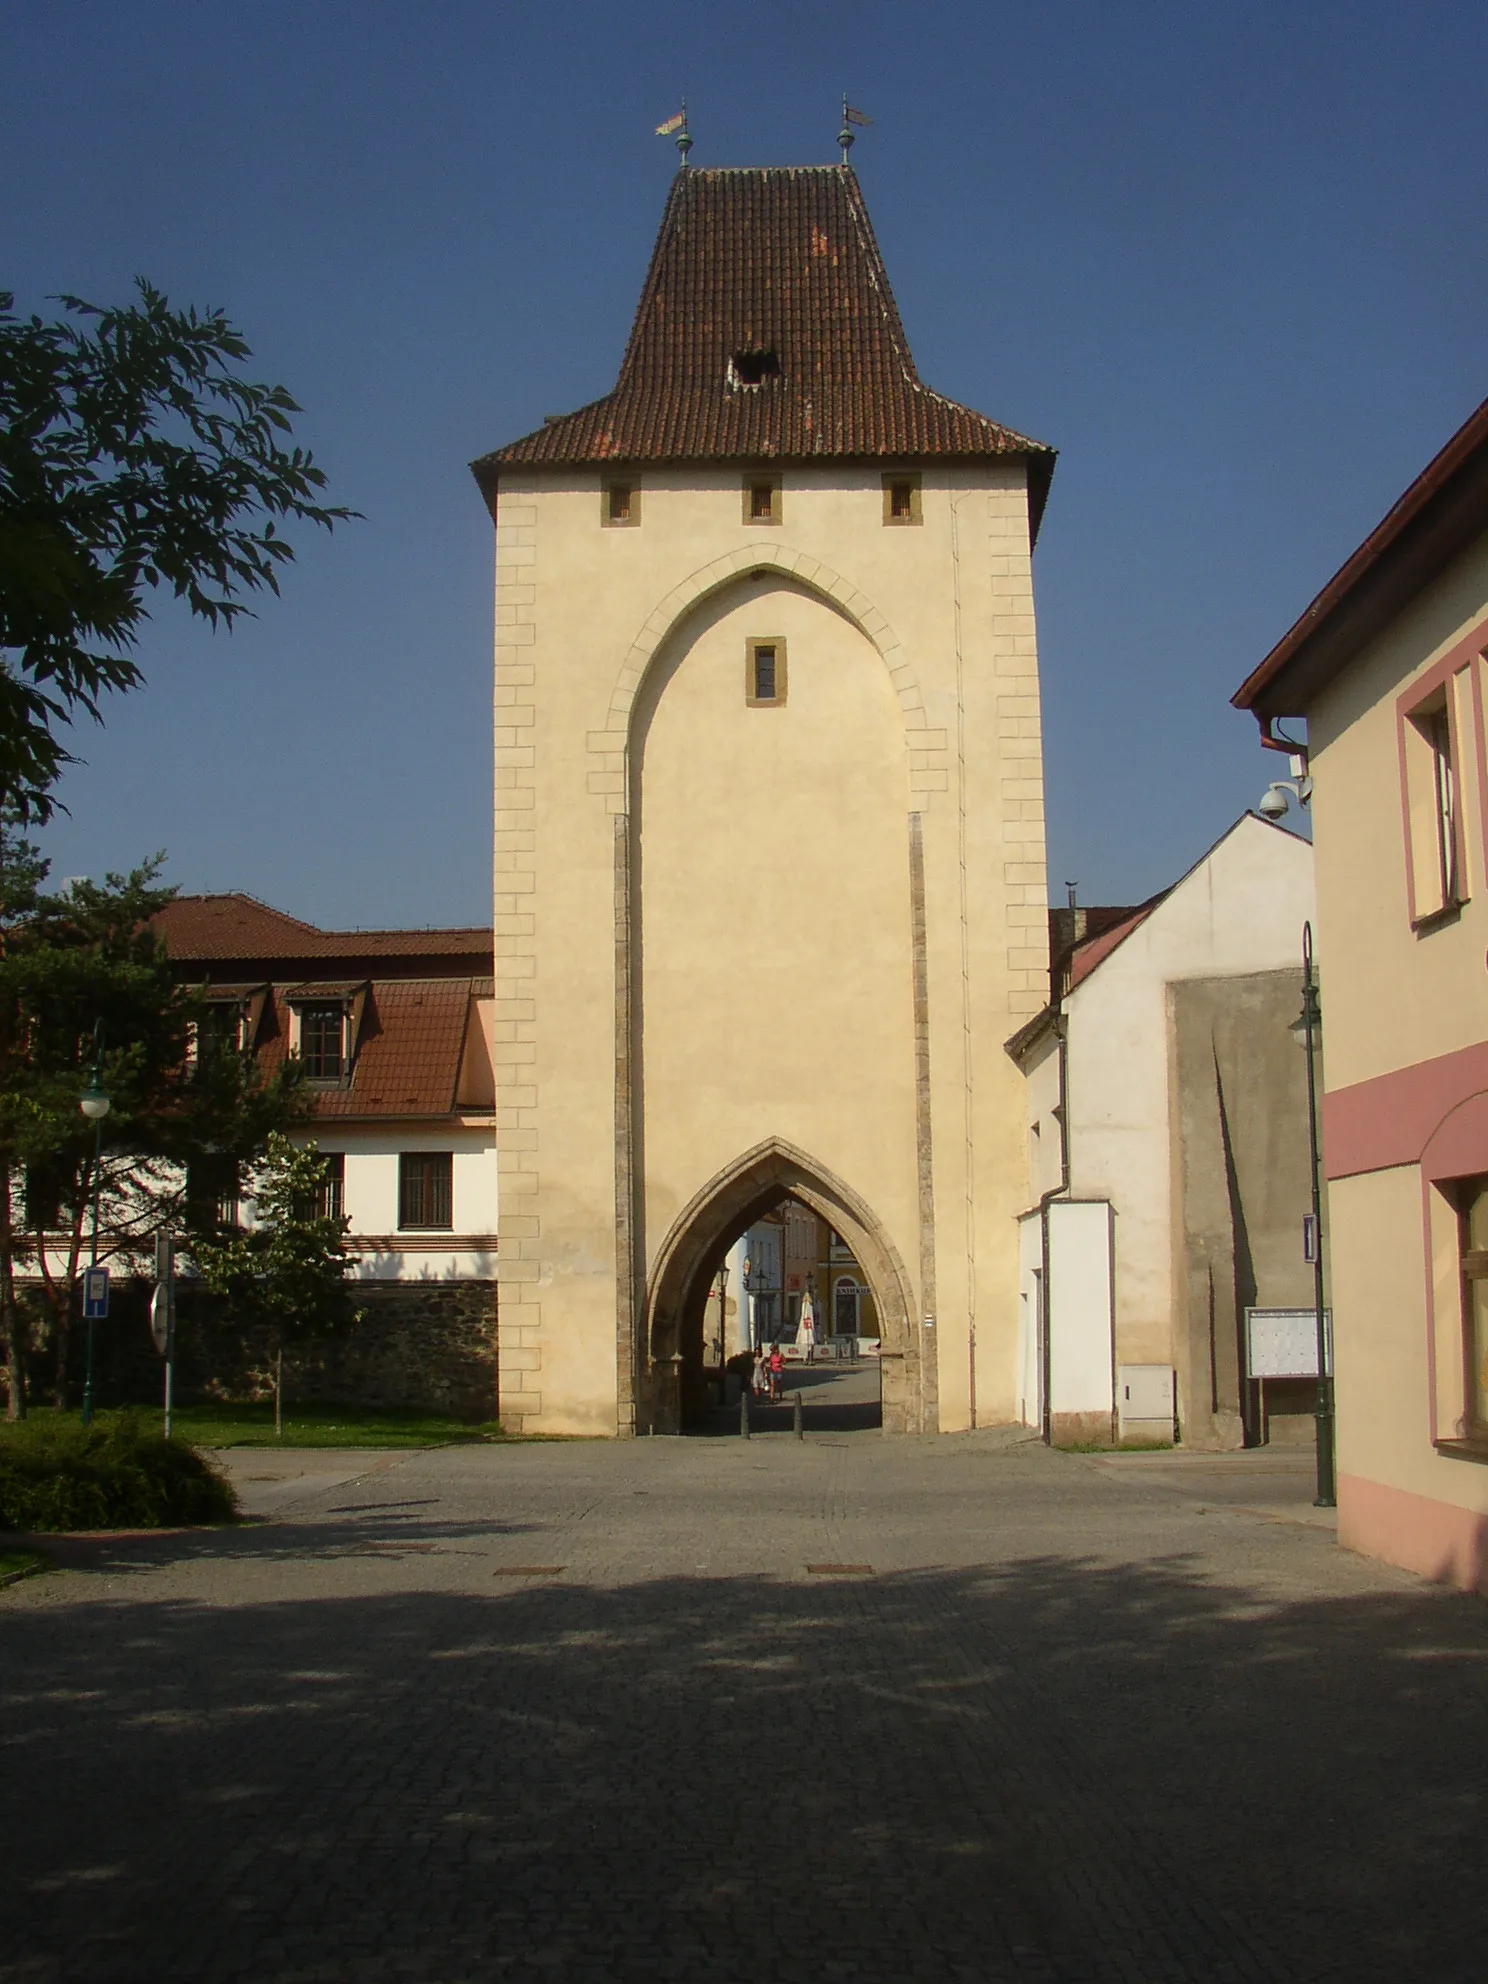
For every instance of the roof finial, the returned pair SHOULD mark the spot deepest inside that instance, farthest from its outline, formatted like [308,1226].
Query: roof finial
[679,125]
[850,116]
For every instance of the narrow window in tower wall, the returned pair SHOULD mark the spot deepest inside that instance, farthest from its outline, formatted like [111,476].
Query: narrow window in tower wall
[762,501]
[764,673]
[620,504]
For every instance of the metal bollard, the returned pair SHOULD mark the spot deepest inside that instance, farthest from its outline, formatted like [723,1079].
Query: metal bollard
[799,1426]
[744,1411]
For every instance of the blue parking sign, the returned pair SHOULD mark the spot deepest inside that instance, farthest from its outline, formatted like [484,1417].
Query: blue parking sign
[95,1294]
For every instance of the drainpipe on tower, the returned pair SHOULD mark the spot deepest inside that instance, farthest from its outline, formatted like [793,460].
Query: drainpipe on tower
[1061,1034]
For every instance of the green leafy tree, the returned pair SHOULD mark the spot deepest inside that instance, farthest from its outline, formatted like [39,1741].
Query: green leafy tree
[80,971]
[288,1272]
[134,456]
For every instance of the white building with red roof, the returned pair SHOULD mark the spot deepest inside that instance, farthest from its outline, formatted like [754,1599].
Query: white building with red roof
[1168,1159]
[393,1031]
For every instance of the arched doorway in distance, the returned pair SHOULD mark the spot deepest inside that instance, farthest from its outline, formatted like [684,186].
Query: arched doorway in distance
[674,1381]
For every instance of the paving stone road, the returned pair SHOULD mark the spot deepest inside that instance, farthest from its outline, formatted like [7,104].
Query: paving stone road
[587,1711]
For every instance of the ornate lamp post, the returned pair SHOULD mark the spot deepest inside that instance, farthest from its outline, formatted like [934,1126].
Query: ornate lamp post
[94,1104]
[723,1280]
[1306,1028]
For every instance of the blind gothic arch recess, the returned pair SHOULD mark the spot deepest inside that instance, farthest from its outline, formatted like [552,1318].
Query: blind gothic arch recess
[609,747]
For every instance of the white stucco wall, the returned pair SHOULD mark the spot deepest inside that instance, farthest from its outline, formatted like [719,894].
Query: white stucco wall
[371,1201]
[1240,910]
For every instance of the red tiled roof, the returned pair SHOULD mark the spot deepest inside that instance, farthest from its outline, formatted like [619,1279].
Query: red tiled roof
[204,929]
[774,259]
[411,1037]
[408,1062]
[408,1055]
[1095,950]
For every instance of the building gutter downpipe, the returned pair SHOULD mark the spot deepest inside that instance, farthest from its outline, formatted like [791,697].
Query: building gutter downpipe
[1061,1190]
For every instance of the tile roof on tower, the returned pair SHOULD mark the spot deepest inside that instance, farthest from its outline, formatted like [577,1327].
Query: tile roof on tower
[774,272]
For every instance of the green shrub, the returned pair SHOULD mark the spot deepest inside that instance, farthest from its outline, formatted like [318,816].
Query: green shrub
[118,1473]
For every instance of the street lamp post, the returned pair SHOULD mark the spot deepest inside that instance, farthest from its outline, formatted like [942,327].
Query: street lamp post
[1308,1026]
[94,1104]
[723,1278]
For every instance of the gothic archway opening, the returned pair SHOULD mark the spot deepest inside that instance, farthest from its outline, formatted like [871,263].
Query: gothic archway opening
[777,1252]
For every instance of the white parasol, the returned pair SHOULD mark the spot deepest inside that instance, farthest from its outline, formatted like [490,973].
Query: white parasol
[806,1332]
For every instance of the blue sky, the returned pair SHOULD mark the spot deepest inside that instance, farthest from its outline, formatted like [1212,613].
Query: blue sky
[1229,260]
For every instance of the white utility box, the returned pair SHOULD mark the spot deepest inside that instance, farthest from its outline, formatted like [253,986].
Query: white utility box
[1145,1395]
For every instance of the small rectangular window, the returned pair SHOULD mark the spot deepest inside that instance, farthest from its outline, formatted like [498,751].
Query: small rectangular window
[426,1190]
[330,1200]
[213,1191]
[764,672]
[901,499]
[620,504]
[43,1196]
[219,1031]
[762,501]
[322,1049]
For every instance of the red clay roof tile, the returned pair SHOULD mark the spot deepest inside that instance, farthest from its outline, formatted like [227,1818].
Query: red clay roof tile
[204,929]
[780,260]
[412,1034]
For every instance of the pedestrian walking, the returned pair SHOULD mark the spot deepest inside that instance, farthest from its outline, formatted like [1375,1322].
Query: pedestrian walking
[777,1373]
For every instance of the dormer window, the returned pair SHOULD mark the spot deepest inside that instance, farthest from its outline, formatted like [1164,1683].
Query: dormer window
[620,504]
[762,503]
[323,1042]
[325,1026]
[749,369]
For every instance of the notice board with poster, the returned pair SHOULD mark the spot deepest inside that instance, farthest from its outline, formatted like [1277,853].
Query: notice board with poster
[1282,1343]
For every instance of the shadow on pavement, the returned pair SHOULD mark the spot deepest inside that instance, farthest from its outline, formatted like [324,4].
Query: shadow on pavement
[1047,1770]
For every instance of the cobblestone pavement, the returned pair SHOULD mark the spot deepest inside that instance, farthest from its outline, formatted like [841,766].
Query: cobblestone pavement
[602,1711]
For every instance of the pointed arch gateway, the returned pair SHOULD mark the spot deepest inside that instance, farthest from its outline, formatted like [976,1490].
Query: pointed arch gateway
[689,1256]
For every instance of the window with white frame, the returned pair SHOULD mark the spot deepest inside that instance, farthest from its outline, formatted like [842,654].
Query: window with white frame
[1434,721]
[330,1200]
[323,1041]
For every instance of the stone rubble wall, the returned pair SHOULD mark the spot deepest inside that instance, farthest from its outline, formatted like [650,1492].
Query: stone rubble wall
[425,1345]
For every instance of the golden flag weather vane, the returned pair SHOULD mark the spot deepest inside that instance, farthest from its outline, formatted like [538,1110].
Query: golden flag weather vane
[850,116]
[679,125]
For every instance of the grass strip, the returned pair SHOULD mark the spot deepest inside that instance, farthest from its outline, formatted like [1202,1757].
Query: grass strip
[18,1564]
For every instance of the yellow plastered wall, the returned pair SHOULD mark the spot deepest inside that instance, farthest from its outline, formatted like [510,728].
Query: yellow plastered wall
[1394,996]
[621,716]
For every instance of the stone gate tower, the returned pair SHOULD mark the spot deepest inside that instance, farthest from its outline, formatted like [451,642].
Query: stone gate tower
[769,855]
